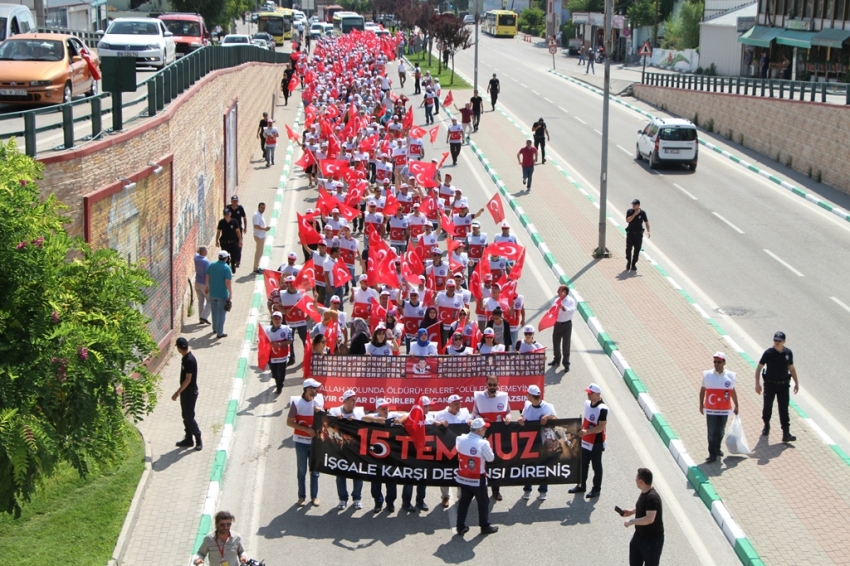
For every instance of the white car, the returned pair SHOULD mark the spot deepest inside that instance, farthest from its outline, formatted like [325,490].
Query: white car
[147,40]
[236,39]
[668,140]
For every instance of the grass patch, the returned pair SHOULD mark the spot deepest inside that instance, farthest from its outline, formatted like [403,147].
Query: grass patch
[78,518]
[445,76]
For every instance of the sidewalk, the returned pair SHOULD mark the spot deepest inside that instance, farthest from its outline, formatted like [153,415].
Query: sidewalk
[790,499]
[170,510]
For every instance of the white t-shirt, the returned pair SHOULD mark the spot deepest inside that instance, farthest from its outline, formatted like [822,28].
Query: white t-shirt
[532,413]
[461,417]
[261,222]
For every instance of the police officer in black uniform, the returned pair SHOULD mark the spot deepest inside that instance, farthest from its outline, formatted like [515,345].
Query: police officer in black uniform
[635,219]
[229,238]
[188,394]
[541,136]
[777,367]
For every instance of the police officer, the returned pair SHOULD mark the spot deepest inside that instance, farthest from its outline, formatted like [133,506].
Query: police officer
[541,136]
[777,367]
[188,394]
[635,219]
[473,451]
[228,237]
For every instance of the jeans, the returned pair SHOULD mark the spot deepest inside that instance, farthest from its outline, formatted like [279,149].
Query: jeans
[527,172]
[218,315]
[716,429]
[302,456]
[481,498]
[342,489]
[543,488]
[590,65]
[594,457]
[429,114]
[634,241]
[645,551]
[407,494]
[780,392]
[270,154]
[392,493]
[476,119]
[204,304]
[561,336]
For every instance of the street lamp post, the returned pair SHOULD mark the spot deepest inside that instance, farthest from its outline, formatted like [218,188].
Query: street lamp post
[601,251]
[477,15]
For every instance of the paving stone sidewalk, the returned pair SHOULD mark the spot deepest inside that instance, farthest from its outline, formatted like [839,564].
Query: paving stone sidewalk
[790,499]
[170,511]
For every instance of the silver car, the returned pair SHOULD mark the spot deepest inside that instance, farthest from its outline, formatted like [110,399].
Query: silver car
[263,40]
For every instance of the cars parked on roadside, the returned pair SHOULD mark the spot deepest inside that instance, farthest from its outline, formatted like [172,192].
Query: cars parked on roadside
[147,40]
[263,40]
[45,69]
[468,19]
[190,31]
[668,140]
[15,19]
[235,39]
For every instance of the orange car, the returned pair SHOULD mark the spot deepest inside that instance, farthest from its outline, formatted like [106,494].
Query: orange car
[46,68]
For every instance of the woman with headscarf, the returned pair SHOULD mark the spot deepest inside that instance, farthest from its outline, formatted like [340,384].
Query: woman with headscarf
[430,318]
[456,347]
[360,336]
[381,344]
[422,346]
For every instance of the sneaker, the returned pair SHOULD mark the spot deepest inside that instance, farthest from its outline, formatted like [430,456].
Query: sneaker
[301,502]
[358,504]
[316,502]
[526,495]
[542,496]
[342,504]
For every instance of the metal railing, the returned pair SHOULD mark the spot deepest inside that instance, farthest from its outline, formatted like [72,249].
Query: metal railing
[771,88]
[158,90]
[90,38]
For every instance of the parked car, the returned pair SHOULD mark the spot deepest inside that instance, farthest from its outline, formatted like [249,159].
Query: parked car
[263,40]
[317,30]
[145,39]
[668,140]
[190,31]
[468,19]
[235,39]
[45,69]
[15,19]
[254,17]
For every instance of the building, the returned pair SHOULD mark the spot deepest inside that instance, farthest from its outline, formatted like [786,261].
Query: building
[719,45]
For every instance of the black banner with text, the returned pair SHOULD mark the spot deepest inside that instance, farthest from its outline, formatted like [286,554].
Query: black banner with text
[527,454]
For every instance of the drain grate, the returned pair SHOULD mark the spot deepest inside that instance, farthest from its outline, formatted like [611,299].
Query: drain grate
[733,311]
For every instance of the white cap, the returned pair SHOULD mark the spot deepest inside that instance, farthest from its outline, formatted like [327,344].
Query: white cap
[720,355]
[479,423]
[505,225]
[534,390]
[310,382]
[349,394]
[363,277]
[528,329]
[489,332]
[292,255]
[277,314]
[593,388]
[223,255]
[425,401]
[290,279]
[382,403]
[453,398]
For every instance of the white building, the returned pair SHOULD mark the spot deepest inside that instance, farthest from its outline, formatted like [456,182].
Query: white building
[718,40]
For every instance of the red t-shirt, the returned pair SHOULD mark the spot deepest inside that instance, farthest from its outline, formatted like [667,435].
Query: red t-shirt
[465,115]
[528,155]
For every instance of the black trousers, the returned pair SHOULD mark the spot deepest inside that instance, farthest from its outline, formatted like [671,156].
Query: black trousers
[417,86]
[187,411]
[407,494]
[262,146]
[540,145]
[594,457]
[321,294]
[481,499]
[476,119]
[302,333]
[278,373]
[781,392]
[454,148]
[561,336]
[645,551]
[286,95]
[235,254]
[493,98]
[634,241]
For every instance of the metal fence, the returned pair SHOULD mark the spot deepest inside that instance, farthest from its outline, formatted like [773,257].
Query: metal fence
[90,38]
[772,88]
[157,91]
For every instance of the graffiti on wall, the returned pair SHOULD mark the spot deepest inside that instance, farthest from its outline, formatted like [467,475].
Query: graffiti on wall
[687,60]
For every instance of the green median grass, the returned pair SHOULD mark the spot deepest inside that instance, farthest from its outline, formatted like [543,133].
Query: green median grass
[75,521]
[445,75]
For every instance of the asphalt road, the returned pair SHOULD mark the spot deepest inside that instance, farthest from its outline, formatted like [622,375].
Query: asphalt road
[736,242]
[260,486]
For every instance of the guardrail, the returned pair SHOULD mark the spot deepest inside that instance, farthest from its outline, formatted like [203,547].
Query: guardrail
[772,88]
[90,38]
[158,90]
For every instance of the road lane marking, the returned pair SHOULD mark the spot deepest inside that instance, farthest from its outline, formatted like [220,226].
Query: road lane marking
[523,85]
[687,193]
[580,120]
[514,80]
[597,131]
[735,228]
[564,109]
[840,304]
[783,262]
[547,100]
[627,152]
[535,92]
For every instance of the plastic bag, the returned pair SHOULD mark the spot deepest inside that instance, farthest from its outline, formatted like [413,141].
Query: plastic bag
[736,440]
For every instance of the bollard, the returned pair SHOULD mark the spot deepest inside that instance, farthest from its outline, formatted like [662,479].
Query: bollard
[117,113]
[812,93]
[151,97]
[29,133]
[96,117]
[791,90]
[771,88]
[781,89]
[68,125]
[823,92]
[802,91]
[166,85]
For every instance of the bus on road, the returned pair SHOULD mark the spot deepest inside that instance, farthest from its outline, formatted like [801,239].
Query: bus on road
[344,22]
[276,24]
[500,23]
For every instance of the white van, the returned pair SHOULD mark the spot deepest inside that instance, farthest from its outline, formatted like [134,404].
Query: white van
[15,19]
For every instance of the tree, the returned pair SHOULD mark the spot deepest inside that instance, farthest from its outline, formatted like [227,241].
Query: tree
[532,21]
[213,11]
[681,31]
[74,347]
[586,6]
[641,13]
[450,30]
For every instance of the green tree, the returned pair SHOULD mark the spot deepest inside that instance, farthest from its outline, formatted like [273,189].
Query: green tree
[532,21]
[681,31]
[73,348]
[454,35]
[213,11]
[641,13]
[587,5]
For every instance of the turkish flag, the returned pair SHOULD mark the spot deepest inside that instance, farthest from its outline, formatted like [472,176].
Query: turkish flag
[475,337]
[332,167]
[332,335]
[449,99]
[407,121]
[326,202]
[347,212]
[454,265]
[445,316]
[504,249]
[415,426]
[417,132]
[411,267]
[475,283]
[292,135]
[516,270]
[447,224]
[369,143]
[340,272]
[422,253]
[293,84]
[332,112]
[452,244]
[497,211]
[443,160]
[308,305]
[374,236]
[433,132]
[427,206]
[333,147]
[550,317]
[264,348]
[306,278]
[306,232]
[434,334]
[424,173]
[355,195]
[391,205]
[377,314]
[271,279]
[306,160]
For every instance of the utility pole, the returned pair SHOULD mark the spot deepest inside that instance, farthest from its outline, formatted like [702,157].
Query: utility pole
[477,15]
[601,251]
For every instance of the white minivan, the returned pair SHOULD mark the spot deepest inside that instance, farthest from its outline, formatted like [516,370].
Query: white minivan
[668,140]
[15,19]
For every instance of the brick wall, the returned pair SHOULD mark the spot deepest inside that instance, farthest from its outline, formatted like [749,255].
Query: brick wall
[813,136]
[189,135]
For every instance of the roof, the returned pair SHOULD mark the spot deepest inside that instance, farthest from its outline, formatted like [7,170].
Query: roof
[45,36]
[760,36]
[831,37]
[730,18]
[181,16]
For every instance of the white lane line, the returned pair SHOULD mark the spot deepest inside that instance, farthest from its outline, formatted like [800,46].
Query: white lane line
[547,100]
[535,92]
[686,192]
[580,120]
[735,228]
[780,260]
[626,151]
[523,85]
[514,80]
[564,109]
[840,304]
[597,131]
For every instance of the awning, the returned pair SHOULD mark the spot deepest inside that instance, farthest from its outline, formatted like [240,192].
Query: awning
[796,38]
[831,37]
[760,36]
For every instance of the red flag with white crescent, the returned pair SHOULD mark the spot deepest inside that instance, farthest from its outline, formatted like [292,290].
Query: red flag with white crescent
[293,83]
[449,99]
[340,272]
[475,337]
[415,426]
[447,224]
[391,205]
[308,306]
[306,160]
[434,334]
[475,282]
[271,279]
[377,314]
[332,167]
[347,212]
[407,121]
[264,347]
[433,132]
[306,232]
[497,211]
[291,134]
[306,278]
[550,317]
[516,270]
[326,202]
[506,250]
[443,160]
[332,335]
[417,132]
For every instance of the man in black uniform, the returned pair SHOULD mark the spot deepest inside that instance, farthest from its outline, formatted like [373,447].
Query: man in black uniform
[648,540]
[188,394]
[238,214]
[263,124]
[476,101]
[284,84]
[778,373]
[493,88]
[541,136]
[228,237]
[635,219]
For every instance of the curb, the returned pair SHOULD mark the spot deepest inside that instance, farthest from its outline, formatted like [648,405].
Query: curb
[133,511]
[699,482]
[843,214]
[226,442]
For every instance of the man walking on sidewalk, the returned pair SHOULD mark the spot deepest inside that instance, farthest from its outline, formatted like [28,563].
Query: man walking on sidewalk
[635,219]
[188,394]
[777,367]
[271,134]
[527,157]
[465,119]
[219,291]
[228,237]
[477,106]
[494,89]
[264,121]
[715,402]
[260,231]
[591,61]
[201,266]
[563,330]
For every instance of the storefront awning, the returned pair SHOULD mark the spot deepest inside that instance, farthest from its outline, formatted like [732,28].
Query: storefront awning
[795,38]
[831,37]
[760,36]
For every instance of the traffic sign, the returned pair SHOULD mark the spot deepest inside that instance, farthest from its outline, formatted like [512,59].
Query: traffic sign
[553,49]
[645,50]
[627,32]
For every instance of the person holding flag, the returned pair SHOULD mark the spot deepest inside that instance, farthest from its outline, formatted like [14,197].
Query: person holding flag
[562,333]
[274,344]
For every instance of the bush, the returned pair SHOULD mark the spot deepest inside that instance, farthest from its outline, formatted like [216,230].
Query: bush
[532,21]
